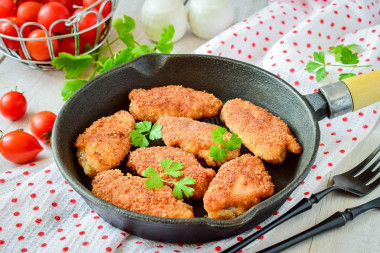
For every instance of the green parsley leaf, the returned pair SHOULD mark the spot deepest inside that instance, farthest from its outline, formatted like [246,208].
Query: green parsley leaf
[338,50]
[321,73]
[123,27]
[319,57]
[154,181]
[218,134]
[311,66]
[138,139]
[218,153]
[70,87]
[172,168]
[121,57]
[348,57]
[346,75]
[144,49]
[143,127]
[164,45]
[180,186]
[72,65]
[155,132]
[233,143]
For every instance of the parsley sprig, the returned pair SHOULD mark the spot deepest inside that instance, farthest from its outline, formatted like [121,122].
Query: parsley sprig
[173,169]
[343,54]
[143,129]
[74,65]
[219,153]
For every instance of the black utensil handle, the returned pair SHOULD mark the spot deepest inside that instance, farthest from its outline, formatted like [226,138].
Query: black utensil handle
[338,219]
[302,206]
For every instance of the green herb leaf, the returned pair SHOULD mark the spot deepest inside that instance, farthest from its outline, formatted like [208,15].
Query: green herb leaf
[138,139]
[155,132]
[123,27]
[121,57]
[321,73]
[72,65]
[218,134]
[218,153]
[338,50]
[348,57]
[70,87]
[144,49]
[172,168]
[311,66]
[319,57]
[346,75]
[154,181]
[181,186]
[143,127]
[233,143]
[164,45]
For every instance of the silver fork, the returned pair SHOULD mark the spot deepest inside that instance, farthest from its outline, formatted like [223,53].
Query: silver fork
[355,181]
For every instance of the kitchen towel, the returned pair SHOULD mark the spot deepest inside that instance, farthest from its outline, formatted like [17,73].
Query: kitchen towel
[40,212]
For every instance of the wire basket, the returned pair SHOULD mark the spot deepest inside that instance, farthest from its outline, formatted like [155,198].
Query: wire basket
[71,23]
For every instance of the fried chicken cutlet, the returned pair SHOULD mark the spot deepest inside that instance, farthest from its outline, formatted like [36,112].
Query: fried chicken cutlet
[129,192]
[173,100]
[264,134]
[192,136]
[239,184]
[104,144]
[142,158]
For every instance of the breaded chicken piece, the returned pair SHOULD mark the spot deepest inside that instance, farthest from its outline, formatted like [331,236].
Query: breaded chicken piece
[172,101]
[239,184]
[193,137]
[264,134]
[104,144]
[142,158]
[129,192]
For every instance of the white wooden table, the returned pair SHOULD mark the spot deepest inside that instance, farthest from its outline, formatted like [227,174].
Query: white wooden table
[42,90]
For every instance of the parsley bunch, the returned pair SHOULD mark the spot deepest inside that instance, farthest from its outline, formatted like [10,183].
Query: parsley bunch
[343,54]
[143,129]
[74,65]
[173,169]
[219,153]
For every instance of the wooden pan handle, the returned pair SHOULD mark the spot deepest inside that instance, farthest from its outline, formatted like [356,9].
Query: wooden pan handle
[364,89]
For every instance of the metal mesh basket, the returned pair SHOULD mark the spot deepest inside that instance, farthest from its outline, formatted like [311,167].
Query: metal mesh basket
[72,23]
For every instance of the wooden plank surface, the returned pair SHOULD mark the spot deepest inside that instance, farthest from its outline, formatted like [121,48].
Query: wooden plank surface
[42,90]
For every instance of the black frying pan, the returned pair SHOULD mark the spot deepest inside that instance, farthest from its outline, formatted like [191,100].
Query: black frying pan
[226,79]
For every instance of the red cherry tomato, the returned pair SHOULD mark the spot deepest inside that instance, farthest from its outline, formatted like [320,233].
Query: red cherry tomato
[7,28]
[29,11]
[7,8]
[67,3]
[67,45]
[89,20]
[19,147]
[13,105]
[51,12]
[39,50]
[41,125]
[106,10]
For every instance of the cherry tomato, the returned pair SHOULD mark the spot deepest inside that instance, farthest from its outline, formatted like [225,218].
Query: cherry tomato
[19,147]
[41,125]
[67,3]
[67,45]
[7,8]
[7,28]
[13,105]
[39,50]
[89,20]
[106,10]
[29,11]
[51,12]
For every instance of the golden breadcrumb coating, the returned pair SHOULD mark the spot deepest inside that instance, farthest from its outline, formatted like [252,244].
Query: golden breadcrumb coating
[142,158]
[104,144]
[129,192]
[193,137]
[239,184]
[173,100]
[264,134]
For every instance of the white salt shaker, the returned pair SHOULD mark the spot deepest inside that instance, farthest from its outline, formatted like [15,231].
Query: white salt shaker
[159,14]
[208,18]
